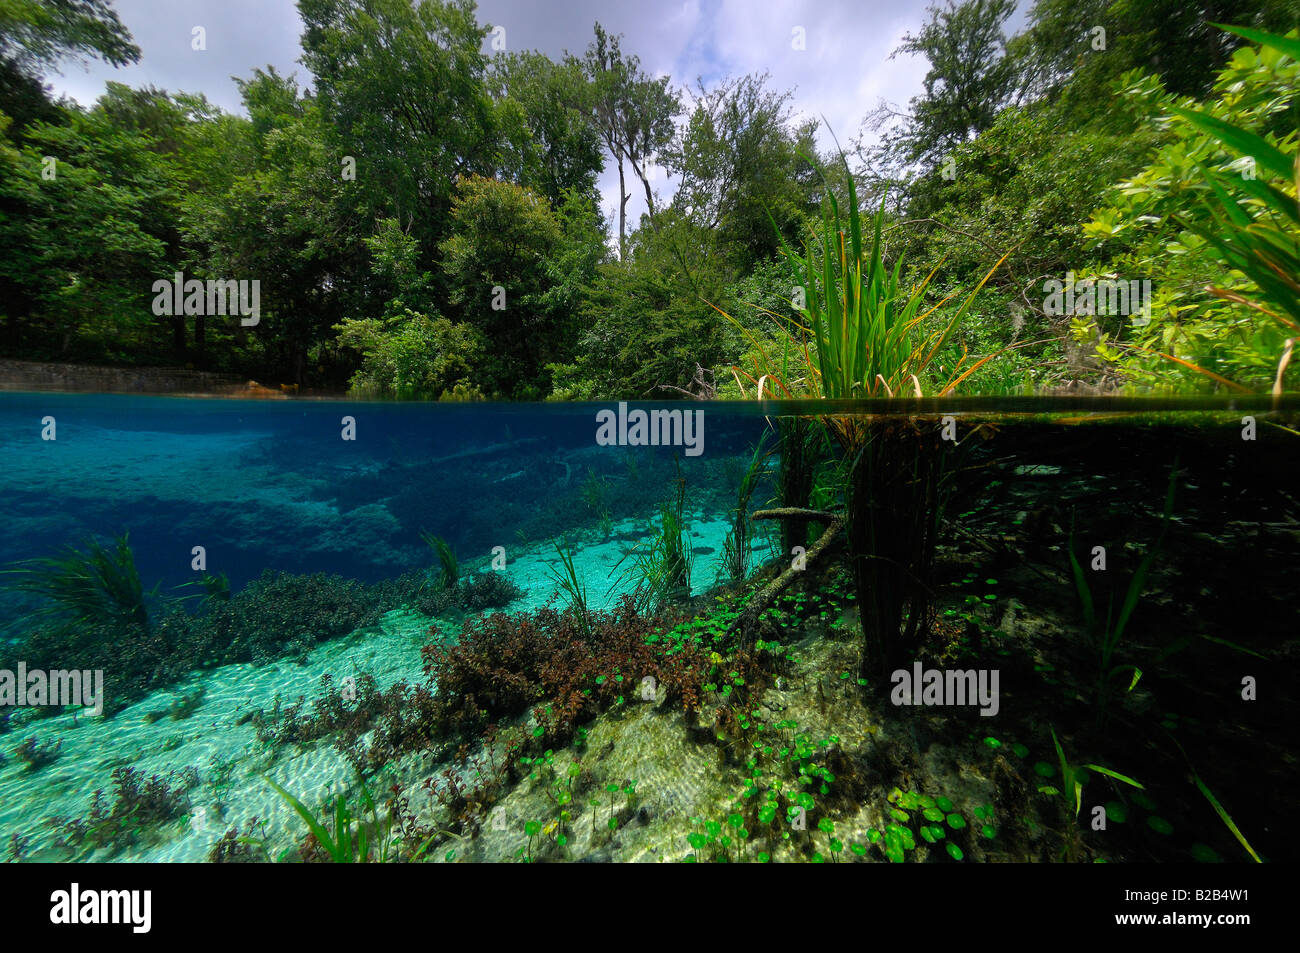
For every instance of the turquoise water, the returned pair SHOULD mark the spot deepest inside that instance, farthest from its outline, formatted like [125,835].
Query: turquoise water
[325,548]
[274,486]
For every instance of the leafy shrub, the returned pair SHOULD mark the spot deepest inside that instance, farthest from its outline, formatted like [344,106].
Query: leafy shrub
[136,805]
[280,613]
[414,356]
[1177,220]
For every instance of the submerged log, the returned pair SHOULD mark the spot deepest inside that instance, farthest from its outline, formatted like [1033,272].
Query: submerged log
[765,596]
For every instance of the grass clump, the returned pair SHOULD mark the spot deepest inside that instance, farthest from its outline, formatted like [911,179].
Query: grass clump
[97,586]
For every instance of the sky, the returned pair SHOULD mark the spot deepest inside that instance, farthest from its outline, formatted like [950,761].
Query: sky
[840,75]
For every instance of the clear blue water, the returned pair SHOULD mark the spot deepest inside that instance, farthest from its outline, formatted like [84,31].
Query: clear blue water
[272,486]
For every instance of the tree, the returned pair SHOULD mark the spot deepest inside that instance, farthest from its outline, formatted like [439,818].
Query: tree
[968,81]
[1079,48]
[545,117]
[739,168]
[85,237]
[292,224]
[634,113]
[404,87]
[504,260]
[35,34]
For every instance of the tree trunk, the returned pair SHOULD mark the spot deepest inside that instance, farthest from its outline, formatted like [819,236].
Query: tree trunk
[200,336]
[622,213]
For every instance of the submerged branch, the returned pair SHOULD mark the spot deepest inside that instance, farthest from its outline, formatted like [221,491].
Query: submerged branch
[764,597]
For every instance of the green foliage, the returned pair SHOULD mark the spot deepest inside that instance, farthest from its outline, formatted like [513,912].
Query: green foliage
[355,840]
[36,34]
[546,113]
[450,576]
[1060,54]
[414,357]
[99,586]
[572,585]
[505,262]
[736,544]
[137,806]
[968,80]
[1070,793]
[865,328]
[661,568]
[87,244]
[367,57]
[1220,246]
[740,167]
[633,111]
[1107,634]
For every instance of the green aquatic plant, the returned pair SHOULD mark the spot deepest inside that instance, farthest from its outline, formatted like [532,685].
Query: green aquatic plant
[571,584]
[1219,809]
[532,830]
[215,588]
[137,805]
[97,586]
[450,574]
[1070,794]
[37,754]
[866,333]
[801,443]
[735,546]
[662,566]
[355,840]
[1107,634]
[1225,817]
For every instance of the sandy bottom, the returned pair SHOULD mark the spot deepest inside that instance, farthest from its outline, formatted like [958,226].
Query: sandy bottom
[226,753]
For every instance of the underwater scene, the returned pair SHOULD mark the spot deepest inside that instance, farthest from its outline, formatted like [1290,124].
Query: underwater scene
[267,631]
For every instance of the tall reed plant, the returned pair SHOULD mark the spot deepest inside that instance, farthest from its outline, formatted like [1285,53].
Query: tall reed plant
[99,585]
[865,332]
[736,544]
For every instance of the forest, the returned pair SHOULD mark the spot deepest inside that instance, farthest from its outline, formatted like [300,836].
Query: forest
[421,213]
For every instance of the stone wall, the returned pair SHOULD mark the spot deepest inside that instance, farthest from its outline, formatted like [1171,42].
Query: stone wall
[88,378]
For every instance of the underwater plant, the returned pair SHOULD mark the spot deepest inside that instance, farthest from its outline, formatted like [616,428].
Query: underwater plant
[1107,634]
[215,588]
[802,446]
[1070,794]
[355,839]
[571,584]
[450,575]
[137,804]
[663,566]
[488,590]
[236,848]
[736,544]
[97,586]
[36,754]
[280,613]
